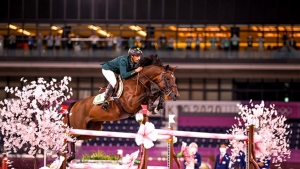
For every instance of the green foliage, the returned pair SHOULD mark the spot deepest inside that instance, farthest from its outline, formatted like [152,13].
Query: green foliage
[100,155]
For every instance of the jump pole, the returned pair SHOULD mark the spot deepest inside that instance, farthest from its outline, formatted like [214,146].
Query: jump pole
[170,151]
[145,164]
[200,134]
[110,134]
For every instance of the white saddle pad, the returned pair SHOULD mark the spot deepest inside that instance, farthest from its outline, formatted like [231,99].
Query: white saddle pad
[99,99]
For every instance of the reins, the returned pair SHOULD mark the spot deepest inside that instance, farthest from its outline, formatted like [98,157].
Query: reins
[168,89]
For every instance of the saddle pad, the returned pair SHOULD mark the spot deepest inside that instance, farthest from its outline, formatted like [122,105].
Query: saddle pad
[99,99]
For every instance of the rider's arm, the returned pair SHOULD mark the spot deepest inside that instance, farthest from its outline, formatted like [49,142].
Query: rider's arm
[123,70]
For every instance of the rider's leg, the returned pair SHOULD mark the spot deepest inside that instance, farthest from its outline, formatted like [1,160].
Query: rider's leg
[110,76]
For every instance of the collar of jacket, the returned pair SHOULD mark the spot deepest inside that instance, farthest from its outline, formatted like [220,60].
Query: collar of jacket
[130,63]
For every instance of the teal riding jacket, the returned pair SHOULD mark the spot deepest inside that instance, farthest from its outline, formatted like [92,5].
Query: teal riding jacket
[120,65]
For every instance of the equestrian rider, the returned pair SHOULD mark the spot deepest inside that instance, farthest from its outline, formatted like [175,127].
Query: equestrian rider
[120,65]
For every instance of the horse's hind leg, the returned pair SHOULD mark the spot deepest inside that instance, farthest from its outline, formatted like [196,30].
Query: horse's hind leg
[72,154]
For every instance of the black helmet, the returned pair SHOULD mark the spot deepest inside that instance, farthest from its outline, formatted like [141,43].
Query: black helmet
[134,51]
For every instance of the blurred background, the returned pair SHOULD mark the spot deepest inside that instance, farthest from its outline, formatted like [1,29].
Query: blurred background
[227,52]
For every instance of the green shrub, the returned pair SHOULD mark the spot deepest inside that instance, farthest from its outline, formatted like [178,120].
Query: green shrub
[100,155]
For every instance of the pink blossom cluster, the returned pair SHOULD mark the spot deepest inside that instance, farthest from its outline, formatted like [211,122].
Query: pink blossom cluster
[33,118]
[128,160]
[186,153]
[269,128]
[146,135]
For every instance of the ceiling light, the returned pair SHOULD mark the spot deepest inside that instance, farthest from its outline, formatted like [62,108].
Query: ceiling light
[143,33]
[136,28]
[55,28]
[94,27]
[223,28]
[254,28]
[13,27]
[281,28]
[173,28]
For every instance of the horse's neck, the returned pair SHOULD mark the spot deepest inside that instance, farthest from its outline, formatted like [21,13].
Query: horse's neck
[135,89]
[152,72]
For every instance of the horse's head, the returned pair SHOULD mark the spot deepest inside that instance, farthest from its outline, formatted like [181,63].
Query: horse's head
[167,82]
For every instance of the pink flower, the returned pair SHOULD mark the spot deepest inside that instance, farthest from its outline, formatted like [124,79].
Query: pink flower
[186,153]
[257,138]
[128,161]
[146,135]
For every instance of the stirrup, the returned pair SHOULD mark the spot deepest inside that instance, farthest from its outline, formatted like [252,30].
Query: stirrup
[105,105]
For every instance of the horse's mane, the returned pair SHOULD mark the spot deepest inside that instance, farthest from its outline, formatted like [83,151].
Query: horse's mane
[151,60]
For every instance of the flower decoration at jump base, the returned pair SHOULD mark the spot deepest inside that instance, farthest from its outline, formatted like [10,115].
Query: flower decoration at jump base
[32,119]
[186,153]
[129,160]
[56,164]
[270,137]
[146,135]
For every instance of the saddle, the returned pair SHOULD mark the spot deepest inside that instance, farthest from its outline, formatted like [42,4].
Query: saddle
[118,90]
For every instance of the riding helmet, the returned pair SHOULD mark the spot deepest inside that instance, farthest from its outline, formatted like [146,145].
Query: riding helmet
[134,51]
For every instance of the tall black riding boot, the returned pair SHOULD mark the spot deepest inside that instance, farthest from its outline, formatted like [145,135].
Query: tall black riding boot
[108,93]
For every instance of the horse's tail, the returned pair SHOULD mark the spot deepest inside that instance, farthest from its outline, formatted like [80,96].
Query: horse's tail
[69,109]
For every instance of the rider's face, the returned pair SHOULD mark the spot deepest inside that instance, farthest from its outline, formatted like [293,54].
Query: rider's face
[136,58]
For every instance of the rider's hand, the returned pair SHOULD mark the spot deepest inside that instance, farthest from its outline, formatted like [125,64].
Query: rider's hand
[138,69]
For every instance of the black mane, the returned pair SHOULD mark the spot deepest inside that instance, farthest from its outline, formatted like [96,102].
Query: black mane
[151,60]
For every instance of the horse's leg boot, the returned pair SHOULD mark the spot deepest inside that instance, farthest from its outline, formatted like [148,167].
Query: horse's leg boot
[108,93]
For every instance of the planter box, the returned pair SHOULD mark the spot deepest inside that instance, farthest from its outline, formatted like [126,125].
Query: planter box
[106,162]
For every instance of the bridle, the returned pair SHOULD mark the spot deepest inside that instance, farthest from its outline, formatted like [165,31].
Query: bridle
[167,91]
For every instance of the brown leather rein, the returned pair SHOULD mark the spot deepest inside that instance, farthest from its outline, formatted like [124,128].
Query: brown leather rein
[166,91]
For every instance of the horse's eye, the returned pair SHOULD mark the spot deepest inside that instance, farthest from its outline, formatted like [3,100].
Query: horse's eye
[168,78]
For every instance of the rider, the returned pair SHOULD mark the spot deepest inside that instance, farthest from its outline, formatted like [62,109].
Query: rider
[120,65]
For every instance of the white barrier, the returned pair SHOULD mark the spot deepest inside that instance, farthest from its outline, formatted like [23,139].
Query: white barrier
[162,134]
[110,134]
[200,135]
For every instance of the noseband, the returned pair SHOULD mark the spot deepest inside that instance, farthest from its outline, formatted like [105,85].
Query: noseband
[166,91]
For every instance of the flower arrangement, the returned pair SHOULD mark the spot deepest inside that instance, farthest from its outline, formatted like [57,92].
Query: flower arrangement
[129,160]
[271,136]
[146,135]
[186,153]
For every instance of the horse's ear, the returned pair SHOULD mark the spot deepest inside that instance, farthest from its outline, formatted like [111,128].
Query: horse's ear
[167,67]
[174,68]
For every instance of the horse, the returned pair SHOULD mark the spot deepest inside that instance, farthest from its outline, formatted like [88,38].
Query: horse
[87,116]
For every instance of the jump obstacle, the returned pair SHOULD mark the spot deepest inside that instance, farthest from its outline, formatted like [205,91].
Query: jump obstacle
[168,135]
[110,134]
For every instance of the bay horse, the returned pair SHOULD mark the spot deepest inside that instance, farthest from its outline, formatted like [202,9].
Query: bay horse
[87,116]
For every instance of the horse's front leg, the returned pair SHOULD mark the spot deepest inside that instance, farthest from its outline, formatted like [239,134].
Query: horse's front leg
[161,102]
[72,153]
[152,109]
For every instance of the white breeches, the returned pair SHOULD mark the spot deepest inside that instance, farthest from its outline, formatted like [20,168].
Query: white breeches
[110,77]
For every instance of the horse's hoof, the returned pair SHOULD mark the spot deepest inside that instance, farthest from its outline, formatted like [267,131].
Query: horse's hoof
[71,157]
